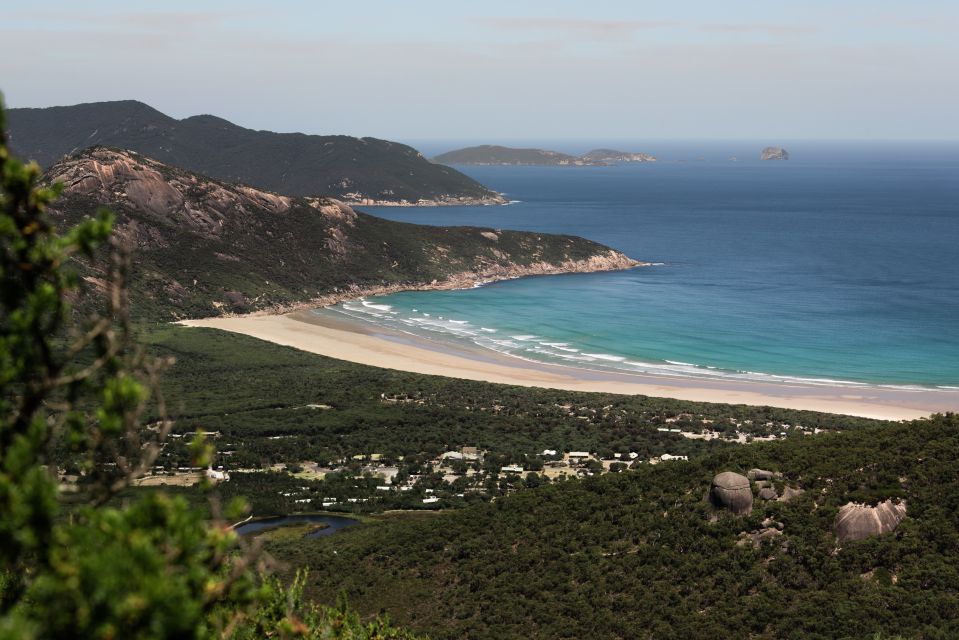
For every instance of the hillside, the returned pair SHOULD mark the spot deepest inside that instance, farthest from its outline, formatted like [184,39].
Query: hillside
[493,154]
[205,247]
[644,554]
[356,170]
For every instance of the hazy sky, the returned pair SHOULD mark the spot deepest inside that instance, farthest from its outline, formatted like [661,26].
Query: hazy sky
[424,69]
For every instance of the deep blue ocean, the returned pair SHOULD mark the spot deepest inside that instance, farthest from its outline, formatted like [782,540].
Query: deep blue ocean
[841,263]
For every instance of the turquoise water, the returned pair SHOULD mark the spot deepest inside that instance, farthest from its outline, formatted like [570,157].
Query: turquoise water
[841,264]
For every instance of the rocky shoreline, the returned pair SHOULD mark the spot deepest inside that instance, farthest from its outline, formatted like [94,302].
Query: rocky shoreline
[359,200]
[611,261]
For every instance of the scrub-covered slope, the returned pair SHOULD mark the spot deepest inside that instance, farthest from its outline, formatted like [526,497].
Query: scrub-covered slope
[205,247]
[360,170]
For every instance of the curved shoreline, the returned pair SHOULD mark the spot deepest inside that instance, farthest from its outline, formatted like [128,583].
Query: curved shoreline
[611,260]
[363,343]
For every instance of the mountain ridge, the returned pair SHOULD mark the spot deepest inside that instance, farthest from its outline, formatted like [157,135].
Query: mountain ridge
[356,170]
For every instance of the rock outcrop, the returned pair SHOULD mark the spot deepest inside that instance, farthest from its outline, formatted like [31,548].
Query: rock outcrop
[731,491]
[771,530]
[774,153]
[185,200]
[761,474]
[858,521]
[790,493]
[768,493]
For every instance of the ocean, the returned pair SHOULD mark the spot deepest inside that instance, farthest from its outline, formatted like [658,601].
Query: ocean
[838,265]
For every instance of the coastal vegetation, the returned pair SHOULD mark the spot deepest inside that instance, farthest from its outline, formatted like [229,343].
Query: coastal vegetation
[273,413]
[361,170]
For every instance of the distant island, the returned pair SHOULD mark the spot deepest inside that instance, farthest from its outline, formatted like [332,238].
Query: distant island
[774,153]
[488,154]
[612,156]
[360,171]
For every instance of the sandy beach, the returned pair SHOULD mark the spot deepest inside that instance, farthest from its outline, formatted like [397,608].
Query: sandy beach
[366,344]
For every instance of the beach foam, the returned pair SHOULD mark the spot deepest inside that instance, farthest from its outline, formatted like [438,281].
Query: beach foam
[420,323]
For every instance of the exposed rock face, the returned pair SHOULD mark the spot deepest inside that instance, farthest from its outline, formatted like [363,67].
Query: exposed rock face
[857,521]
[761,474]
[732,491]
[768,493]
[200,205]
[790,493]
[443,200]
[774,153]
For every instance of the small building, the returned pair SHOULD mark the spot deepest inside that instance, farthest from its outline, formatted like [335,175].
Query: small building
[216,475]
[512,468]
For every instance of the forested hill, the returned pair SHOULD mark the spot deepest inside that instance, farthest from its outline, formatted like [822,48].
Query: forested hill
[361,170]
[495,154]
[647,554]
[205,247]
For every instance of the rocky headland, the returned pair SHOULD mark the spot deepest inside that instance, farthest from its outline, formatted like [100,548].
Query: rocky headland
[207,247]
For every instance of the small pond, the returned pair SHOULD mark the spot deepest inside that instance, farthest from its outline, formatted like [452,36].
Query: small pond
[333,524]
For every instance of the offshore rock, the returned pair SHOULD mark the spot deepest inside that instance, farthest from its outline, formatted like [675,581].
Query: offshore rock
[774,153]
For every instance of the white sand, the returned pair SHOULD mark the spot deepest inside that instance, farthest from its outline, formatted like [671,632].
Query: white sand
[356,342]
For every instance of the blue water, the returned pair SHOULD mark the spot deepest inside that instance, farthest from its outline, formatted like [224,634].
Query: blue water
[840,264]
[334,524]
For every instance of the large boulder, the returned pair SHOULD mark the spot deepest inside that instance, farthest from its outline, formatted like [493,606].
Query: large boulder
[857,521]
[732,491]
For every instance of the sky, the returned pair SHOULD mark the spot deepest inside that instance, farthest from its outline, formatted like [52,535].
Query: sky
[500,70]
